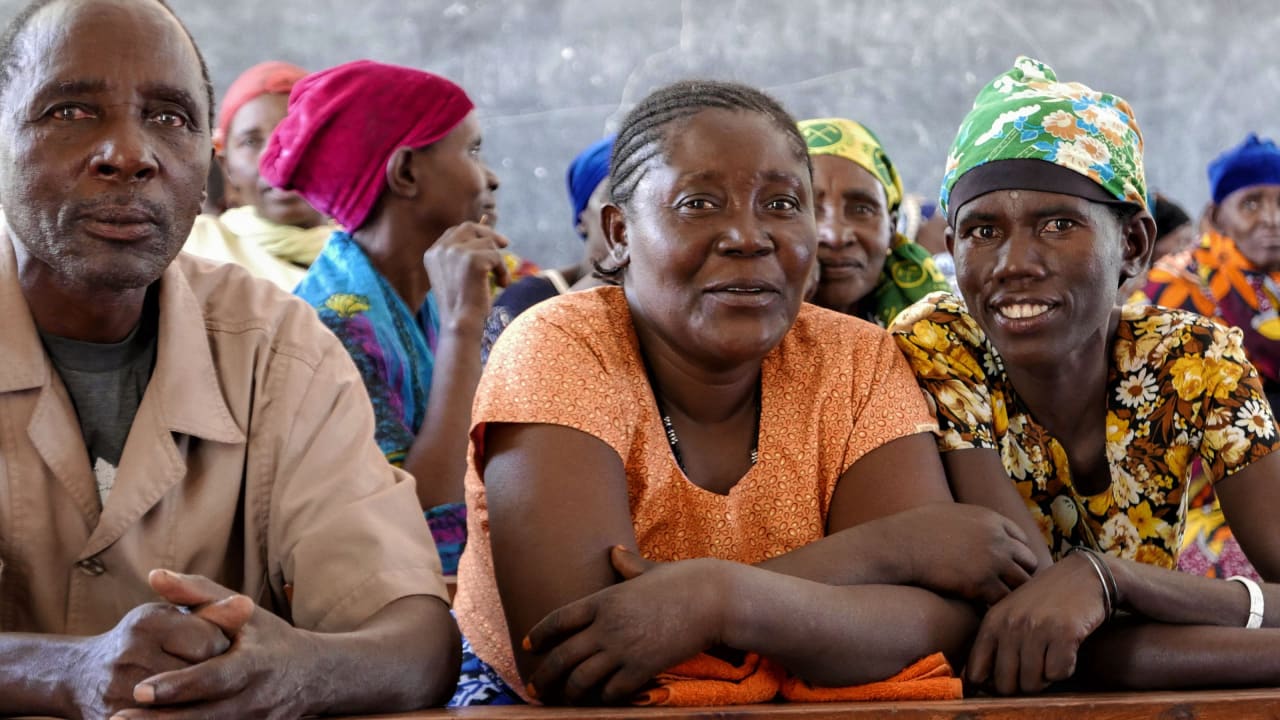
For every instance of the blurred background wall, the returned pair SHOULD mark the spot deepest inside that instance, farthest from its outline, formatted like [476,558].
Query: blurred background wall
[551,76]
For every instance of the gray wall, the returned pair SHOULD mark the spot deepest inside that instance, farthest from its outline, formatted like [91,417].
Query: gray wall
[549,76]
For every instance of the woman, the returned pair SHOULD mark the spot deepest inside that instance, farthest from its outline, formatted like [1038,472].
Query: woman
[272,232]
[588,192]
[393,154]
[866,269]
[1076,417]
[700,416]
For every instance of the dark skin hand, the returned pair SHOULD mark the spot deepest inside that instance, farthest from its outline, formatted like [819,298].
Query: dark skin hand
[607,646]
[1186,631]
[271,669]
[526,477]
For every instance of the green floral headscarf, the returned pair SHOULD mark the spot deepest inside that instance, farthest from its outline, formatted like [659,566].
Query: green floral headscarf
[1026,113]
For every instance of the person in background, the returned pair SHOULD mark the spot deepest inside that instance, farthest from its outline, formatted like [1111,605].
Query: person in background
[1073,415]
[930,234]
[588,192]
[1233,276]
[197,522]
[393,155]
[273,233]
[740,457]
[866,269]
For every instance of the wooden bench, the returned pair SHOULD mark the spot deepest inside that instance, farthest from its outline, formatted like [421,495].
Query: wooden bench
[1191,705]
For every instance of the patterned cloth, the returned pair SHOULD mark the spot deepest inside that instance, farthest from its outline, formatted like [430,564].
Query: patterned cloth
[1217,281]
[834,389]
[910,273]
[479,684]
[392,349]
[1026,113]
[856,143]
[1179,387]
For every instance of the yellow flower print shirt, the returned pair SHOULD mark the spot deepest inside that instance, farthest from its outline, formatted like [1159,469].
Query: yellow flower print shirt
[1179,387]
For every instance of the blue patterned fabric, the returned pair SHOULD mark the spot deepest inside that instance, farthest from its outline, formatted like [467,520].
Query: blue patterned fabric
[479,684]
[392,349]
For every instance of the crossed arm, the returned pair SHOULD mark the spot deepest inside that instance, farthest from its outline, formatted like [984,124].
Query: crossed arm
[580,635]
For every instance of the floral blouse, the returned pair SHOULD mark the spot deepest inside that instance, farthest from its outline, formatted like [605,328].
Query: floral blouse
[1179,386]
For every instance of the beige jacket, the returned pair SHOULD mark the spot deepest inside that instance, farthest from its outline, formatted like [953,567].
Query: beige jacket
[251,460]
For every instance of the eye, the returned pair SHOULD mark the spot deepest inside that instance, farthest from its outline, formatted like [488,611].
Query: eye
[1250,204]
[70,112]
[696,203]
[1060,225]
[979,233]
[170,118]
[862,209]
[783,204]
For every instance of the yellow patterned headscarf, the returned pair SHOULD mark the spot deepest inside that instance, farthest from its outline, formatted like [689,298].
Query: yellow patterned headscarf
[854,142]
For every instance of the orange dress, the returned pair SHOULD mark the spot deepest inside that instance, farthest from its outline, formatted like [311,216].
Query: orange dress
[835,388]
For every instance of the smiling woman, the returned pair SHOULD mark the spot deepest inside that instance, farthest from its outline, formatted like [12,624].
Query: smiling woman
[1080,419]
[739,458]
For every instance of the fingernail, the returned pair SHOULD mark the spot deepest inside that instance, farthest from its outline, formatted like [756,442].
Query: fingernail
[145,693]
[531,691]
[526,644]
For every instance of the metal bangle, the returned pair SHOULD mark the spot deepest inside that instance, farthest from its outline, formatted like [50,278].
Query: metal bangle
[1256,601]
[1099,567]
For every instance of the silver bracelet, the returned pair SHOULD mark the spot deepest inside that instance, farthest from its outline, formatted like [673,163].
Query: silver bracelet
[1255,601]
[1108,596]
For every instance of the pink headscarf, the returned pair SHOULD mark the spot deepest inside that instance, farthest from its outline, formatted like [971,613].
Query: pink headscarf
[343,125]
[272,76]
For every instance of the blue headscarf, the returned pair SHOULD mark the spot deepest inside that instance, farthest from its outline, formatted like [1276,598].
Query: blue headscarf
[586,173]
[1253,162]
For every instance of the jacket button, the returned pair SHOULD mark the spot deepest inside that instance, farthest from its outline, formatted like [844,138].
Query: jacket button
[91,566]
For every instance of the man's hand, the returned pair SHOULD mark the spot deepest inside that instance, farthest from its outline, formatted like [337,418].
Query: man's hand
[259,675]
[153,638]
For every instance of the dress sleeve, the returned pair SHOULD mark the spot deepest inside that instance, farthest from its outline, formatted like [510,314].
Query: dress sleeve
[541,371]
[1239,427]
[944,348]
[892,405]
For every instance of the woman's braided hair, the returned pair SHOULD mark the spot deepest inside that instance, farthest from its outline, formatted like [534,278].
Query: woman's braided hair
[643,134]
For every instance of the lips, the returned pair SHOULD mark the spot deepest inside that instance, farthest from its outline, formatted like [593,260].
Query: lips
[119,223]
[837,268]
[744,292]
[1023,315]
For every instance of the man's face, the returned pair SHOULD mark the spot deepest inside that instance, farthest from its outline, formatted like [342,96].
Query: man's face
[104,142]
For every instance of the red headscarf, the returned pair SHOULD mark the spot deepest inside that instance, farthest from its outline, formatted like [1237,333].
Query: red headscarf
[272,76]
[343,125]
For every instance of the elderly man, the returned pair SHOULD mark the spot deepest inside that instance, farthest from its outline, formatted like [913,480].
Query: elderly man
[195,520]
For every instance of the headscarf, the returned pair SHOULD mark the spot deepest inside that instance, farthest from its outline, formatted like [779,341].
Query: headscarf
[586,172]
[270,77]
[854,142]
[343,125]
[1026,114]
[909,272]
[1256,161]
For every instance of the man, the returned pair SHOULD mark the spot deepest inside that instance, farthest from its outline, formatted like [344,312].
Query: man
[194,518]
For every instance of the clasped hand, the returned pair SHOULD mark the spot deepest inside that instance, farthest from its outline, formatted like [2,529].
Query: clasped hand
[205,652]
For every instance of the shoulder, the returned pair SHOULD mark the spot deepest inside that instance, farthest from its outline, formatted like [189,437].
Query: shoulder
[939,322]
[1153,335]
[598,319]
[240,309]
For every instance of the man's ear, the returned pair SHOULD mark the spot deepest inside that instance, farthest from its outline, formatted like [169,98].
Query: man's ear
[1139,236]
[402,175]
[615,235]
[949,237]
[1210,216]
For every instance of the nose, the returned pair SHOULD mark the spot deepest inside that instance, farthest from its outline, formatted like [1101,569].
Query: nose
[834,234]
[124,153]
[491,179]
[1019,258]
[1270,215]
[745,235]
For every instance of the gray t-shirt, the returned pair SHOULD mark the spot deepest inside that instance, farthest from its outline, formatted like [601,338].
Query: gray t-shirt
[106,382]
